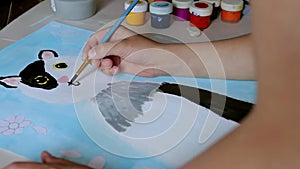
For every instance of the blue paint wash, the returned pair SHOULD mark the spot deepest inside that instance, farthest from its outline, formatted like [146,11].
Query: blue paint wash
[63,130]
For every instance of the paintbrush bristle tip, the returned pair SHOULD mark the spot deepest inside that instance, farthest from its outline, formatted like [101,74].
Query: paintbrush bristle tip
[73,79]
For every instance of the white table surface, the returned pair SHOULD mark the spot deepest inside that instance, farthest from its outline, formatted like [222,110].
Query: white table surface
[7,157]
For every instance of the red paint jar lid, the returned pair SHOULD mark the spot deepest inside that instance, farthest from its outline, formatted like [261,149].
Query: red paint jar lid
[201,9]
[215,3]
[232,5]
[182,4]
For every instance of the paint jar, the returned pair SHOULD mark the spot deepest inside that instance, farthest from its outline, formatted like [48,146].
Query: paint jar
[161,14]
[200,14]
[162,0]
[231,10]
[181,9]
[216,4]
[73,10]
[137,15]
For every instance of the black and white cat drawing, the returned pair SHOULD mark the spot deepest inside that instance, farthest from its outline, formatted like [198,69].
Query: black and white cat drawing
[50,74]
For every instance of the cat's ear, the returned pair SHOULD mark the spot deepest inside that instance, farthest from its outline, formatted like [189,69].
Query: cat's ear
[10,81]
[47,54]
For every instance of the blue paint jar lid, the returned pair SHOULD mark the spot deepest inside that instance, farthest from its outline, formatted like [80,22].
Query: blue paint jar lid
[161,8]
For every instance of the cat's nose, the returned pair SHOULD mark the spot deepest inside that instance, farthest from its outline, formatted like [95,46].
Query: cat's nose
[63,79]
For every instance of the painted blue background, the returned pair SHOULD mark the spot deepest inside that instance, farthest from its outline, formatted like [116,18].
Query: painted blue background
[65,132]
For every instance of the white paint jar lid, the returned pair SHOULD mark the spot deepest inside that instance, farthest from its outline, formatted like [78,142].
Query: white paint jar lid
[161,8]
[232,5]
[193,31]
[73,9]
[197,10]
[141,6]
[182,4]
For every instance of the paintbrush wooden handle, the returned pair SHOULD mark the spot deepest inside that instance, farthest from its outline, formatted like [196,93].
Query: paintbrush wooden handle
[83,66]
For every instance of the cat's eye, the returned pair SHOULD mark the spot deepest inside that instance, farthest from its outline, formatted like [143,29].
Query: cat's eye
[41,80]
[60,66]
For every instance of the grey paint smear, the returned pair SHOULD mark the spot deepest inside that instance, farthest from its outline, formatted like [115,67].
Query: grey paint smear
[121,103]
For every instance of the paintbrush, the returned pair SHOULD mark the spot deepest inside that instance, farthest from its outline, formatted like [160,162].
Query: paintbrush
[105,38]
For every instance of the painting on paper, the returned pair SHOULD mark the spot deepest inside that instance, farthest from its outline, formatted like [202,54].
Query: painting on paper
[138,122]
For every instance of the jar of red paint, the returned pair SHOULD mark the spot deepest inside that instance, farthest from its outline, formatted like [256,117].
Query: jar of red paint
[200,14]
[231,10]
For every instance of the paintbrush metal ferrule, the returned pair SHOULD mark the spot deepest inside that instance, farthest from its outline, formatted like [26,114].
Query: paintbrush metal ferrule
[83,66]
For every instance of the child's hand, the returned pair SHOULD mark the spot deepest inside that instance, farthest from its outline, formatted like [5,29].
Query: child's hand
[126,52]
[48,162]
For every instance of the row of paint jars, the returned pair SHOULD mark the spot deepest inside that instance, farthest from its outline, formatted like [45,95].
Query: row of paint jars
[203,11]
[160,13]
[199,13]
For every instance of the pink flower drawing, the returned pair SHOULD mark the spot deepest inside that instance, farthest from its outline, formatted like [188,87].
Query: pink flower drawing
[71,153]
[13,125]
[97,162]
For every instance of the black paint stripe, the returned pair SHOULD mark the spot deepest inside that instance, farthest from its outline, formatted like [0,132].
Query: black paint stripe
[225,106]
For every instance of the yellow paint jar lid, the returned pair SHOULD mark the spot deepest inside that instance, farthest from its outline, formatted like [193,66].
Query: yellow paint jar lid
[141,6]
